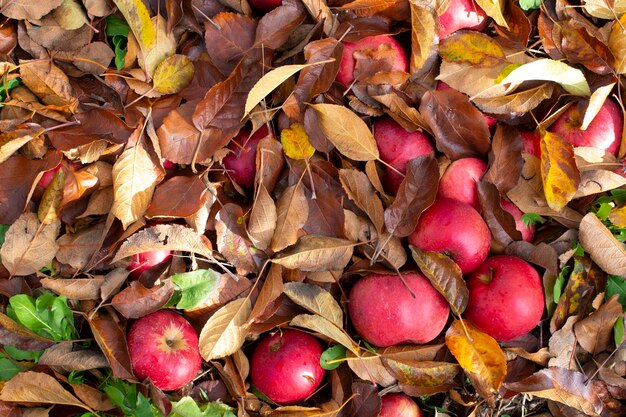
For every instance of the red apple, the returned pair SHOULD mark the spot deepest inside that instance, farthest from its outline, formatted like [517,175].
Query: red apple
[168,165]
[285,366]
[456,229]
[164,347]
[143,261]
[461,14]
[398,405]
[48,176]
[528,233]
[604,132]
[397,147]
[506,297]
[241,162]
[345,75]
[532,142]
[265,6]
[384,312]
[460,178]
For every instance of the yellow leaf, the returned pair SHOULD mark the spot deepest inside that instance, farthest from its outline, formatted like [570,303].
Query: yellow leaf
[617,44]
[138,18]
[571,79]
[296,143]
[559,173]
[424,35]
[479,355]
[494,9]
[224,333]
[471,47]
[173,74]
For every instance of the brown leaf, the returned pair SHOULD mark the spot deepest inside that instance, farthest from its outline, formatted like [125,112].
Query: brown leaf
[594,332]
[459,128]
[63,355]
[263,219]
[178,137]
[75,289]
[505,158]
[366,402]
[323,326]
[29,245]
[369,366]
[27,10]
[517,102]
[113,281]
[48,83]
[224,333]
[316,300]
[562,345]
[173,74]
[276,26]
[228,37]
[232,243]
[596,181]
[317,253]
[293,211]
[110,335]
[472,48]
[269,162]
[190,192]
[360,190]
[501,223]
[580,46]
[271,290]
[37,387]
[559,173]
[388,8]
[12,140]
[564,386]
[424,36]
[617,44]
[599,242]
[137,301]
[424,377]
[479,355]
[18,336]
[445,275]
[76,249]
[417,192]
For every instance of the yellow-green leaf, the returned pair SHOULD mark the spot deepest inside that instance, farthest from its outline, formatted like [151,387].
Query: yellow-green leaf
[571,79]
[471,47]
[173,74]
[479,355]
[559,173]
[295,141]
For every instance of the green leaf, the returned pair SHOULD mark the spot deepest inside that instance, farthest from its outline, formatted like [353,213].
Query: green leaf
[560,283]
[48,315]
[603,211]
[531,219]
[5,89]
[116,26]
[8,368]
[529,4]
[187,407]
[194,287]
[616,285]
[23,355]
[618,331]
[333,354]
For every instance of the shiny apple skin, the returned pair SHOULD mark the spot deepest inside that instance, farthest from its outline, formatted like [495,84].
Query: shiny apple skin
[532,143]
[456,229]
[384,312]
[241,162]
[511,304]
[143,261]
[169,366]
[285,366]
[461,14]
[398,405]
[528,233]
[460,178]
[604,132]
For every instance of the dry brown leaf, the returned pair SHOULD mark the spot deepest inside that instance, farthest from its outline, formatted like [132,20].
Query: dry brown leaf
[293,211]
[317,253]
[370,367]
[224,333]
[271,290]
[29,10]
[14,334]
[598,181]
[599,242]
[424,36]
[49,83]
[63,355]
[361,191]
[75,289]
[594,332]
[323,326]
[76,249]
[617,43]
[263,219]
[316,300]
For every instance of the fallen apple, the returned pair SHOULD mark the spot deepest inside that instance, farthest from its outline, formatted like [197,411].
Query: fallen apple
[241,161]
[398,405]
[532,142]
[528,232]
[385,313]
[460,178]
[145,260]
[285,366]
[506,297]
[461,14]
[164,348]
[456,229]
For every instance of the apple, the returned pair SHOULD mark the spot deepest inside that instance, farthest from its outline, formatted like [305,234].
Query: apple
[532,142]
[460,178]
[398,405]
[143,261]
[285,366]
[241,162]
[164,347]
[528,233]
[168,165]
[48,175]
[461,14]
[265,6]
[345,76]
[456,229]
[385,313]
[505,297]
[397,147]
[604,132]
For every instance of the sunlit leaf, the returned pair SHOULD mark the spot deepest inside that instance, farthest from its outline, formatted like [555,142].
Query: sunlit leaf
[471,47]
[571,79]
[559,173]
[295,141]
[224,333]
[316,300]
[173,74]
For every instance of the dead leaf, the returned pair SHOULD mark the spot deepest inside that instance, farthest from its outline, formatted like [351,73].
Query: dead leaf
[424,36]
[173,74]
[27,10]
[75,289]
[316,300]
[323,326]
[263,219]
[559,173]
[317,253]
[599,242]
[594,332]
[16,335]
[110,335]
[37,387]
[136,301]
[63,355]
[224,333]
[76,249]
[617,40]
[425,377]
[292,213]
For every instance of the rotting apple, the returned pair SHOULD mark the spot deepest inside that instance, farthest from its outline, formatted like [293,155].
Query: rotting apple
[460,178]
[385,313]
[398,405]
[506,297]
[345,76]
[456,229]
[461,14]
[265,6]
[604,132]
[285,366]
[241,161]
[164,347]
[397,147]
[528,232]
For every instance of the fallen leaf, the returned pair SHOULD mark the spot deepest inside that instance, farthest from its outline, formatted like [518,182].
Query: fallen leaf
[263,219]
[495,10]
[224,333]
[424,36]
[471,47]
[317,253]
[292,213]
[20,337]
[110,335]
[323,326]
[27,10]
[599,242]
[295,141]
[63,355]
[559,173]
[362,193]
[571,79]
[316,300]
[594,332]
[425,377]
[75,289]
[173,74]
[136,301]
[617,42]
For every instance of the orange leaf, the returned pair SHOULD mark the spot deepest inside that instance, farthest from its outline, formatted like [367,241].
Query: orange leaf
[559,174]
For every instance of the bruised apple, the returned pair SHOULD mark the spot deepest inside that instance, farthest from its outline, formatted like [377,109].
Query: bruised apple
[285,366]
[397,147]
[456,229]
[345,76]
[385,313]
[241,161]
[164,347]
[461,14]
[460,178]
[505,297]
[398,405]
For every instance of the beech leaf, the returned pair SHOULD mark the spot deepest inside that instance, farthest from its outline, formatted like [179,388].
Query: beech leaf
[224,333]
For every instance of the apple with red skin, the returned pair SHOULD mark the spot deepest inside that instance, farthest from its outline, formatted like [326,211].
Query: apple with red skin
[285,366]
[345,76]
[168,165]
[528,232]
[384,312]
[397,147]
[604,132]
[143,261]
[532,142]
[461,14]
[456,229]
[265,6]
[460,178]
[398,405]
[241,162]
[164,347]
[506,297]
[48,176]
